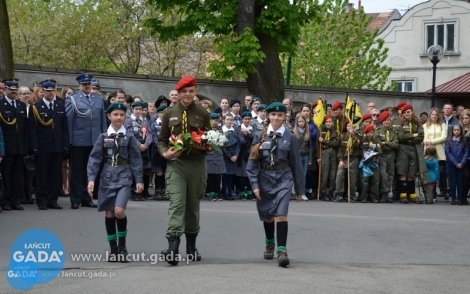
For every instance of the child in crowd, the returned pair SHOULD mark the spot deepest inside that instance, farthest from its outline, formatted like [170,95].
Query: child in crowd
[215,166]
[231,151]
[273,168]
[158,163]
[137,126]
[327,144]
[246,134]
[457,155]
[370,175]
[119,150]
[235,108]
[430,155]
[304,142]
[258,123]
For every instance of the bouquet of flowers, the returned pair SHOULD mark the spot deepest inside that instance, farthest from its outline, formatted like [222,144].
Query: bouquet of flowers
[213,140]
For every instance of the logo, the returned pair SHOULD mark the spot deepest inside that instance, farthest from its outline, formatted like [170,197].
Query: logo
[36,257]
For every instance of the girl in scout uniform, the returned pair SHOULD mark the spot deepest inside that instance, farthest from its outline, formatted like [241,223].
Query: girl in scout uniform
[235,107]
[215,166]
[327,144]
[410,136]
[370,182]
[119,151]
[389,144]
[272,169]
[258,122]
[141,130]
[246,134]
[158,163]
[231,149]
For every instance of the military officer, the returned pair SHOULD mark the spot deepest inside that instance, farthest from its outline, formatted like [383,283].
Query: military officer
[86,121]
[49,140]
[186,172]
[14,122]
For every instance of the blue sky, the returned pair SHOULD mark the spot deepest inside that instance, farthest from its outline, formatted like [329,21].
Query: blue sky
[387,5]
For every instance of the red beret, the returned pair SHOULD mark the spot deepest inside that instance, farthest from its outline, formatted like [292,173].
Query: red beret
[328,116]
[187,81]
[406,107]
[337,104]
[384,115]
[314,104]
[401,104]
[368,128]
[366,116]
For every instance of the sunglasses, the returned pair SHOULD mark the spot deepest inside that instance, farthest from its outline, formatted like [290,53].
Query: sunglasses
[375,115]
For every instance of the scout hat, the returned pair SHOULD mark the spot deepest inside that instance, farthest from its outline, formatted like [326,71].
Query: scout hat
[262,107]
[161,108]
[255,99]
[366,116]
[406,107]
[369,128]
[235,101]
[136,104]
[144,104]
[384,115]
[336,105]
[214,115]
[116,106]
[187,81]
[276,107]
[246,114]
[328,116]
[401,104]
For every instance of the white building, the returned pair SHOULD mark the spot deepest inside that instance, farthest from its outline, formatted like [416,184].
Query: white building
[434,22]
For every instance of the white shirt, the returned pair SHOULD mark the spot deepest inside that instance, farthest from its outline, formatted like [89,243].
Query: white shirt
[254,114]
[112,131]
[48,103]
[281,130]
[134,117]
[9,100]
[225,129]
[261,121]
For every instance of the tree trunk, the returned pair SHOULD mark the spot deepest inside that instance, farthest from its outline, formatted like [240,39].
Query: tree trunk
[6,51]
[268,80]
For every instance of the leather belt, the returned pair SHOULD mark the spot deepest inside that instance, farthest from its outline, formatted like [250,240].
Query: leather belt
[120,161]
[275,167]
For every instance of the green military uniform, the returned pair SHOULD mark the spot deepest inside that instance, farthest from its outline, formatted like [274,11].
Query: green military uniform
[395,124]
[328,162]
[352,165]
[338,125]
[186,176]
[389,143]
[370,185]
[407,158]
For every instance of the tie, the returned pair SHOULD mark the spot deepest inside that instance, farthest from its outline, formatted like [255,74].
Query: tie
[411,127]
[13,103]
[185,122]
[88,97]
[387,136]
[50,107]
[327,137]
[273,147]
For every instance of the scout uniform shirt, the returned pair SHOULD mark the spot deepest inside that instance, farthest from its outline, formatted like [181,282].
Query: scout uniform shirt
[350,143]
[406,131]
[330,140]
[388,138]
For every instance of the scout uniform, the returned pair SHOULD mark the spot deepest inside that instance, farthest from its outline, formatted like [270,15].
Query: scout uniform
[274,172]
[407,158]
[237,120]
[122,162]
[389,144]
[246,141]
[254,114]
[186,176]
[349,144]
[141,130]
[14,127]
[215,169]
[231,148]
[49,140]
[157,162]
[396,122]
[86,120]
[370,182]
[338,122]
[328,160]
[257,122]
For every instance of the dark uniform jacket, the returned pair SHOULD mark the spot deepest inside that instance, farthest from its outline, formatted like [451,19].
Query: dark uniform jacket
[172,123]
[14,124]
[356,146]
[373,144]
[48,138]
[388,141]
[327,144]
[406,131]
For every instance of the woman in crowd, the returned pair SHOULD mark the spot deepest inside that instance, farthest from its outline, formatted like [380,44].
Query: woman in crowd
[435,134]
[465,123]
[24,94]
[38,93]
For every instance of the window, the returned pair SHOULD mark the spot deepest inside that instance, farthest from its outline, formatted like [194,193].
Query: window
[405,86]
[442,34]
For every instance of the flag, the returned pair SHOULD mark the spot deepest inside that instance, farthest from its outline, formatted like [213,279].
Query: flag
[319,114]
[353,112]
[348,107]
[357,115]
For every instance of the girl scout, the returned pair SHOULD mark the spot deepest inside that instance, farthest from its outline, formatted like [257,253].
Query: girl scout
[119,150]
[273,167]
[215,166]
[245,137]
[158,163]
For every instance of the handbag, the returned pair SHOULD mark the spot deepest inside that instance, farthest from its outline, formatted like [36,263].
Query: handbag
[29,163]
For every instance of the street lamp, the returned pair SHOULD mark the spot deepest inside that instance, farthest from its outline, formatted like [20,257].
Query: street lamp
[435,54]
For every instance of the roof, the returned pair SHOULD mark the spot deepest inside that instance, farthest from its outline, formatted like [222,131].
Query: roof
[457,85]
[381,20]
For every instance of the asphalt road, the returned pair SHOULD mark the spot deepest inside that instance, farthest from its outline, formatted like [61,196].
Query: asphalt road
[333,248]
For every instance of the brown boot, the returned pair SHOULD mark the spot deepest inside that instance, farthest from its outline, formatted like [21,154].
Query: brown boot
[404,198]
[282,259]
[269,251]
[415,199]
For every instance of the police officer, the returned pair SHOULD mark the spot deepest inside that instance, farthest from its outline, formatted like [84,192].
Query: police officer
[186,172]
[49,139]
[13,121]
[86,121]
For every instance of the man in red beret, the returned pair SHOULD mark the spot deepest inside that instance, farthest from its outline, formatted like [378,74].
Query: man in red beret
[410,137]
[327,144]
[397,121]
[370,183]
[186,171]
[389,143]
[339,119]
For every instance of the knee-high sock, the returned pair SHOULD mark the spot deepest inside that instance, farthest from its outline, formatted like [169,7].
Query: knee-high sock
[122,227]
[269,231]
[110,223]
[281,235]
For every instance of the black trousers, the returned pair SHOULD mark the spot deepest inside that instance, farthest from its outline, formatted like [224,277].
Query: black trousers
[78,175]
[12,172]
[48,178]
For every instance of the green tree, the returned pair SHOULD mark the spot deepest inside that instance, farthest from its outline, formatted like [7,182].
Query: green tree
[6,50]
[248,36]
[338,51]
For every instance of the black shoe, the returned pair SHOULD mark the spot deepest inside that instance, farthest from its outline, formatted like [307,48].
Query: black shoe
[89,204]
[17,207]
[324,197]
[54,206]
[453,202]
[172,253]
[122,250]
[458,202]
[338,198]
[42,207]
[30,201]
[6,207]
[113,253]
[22,201]
[191,249]
[75,206]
